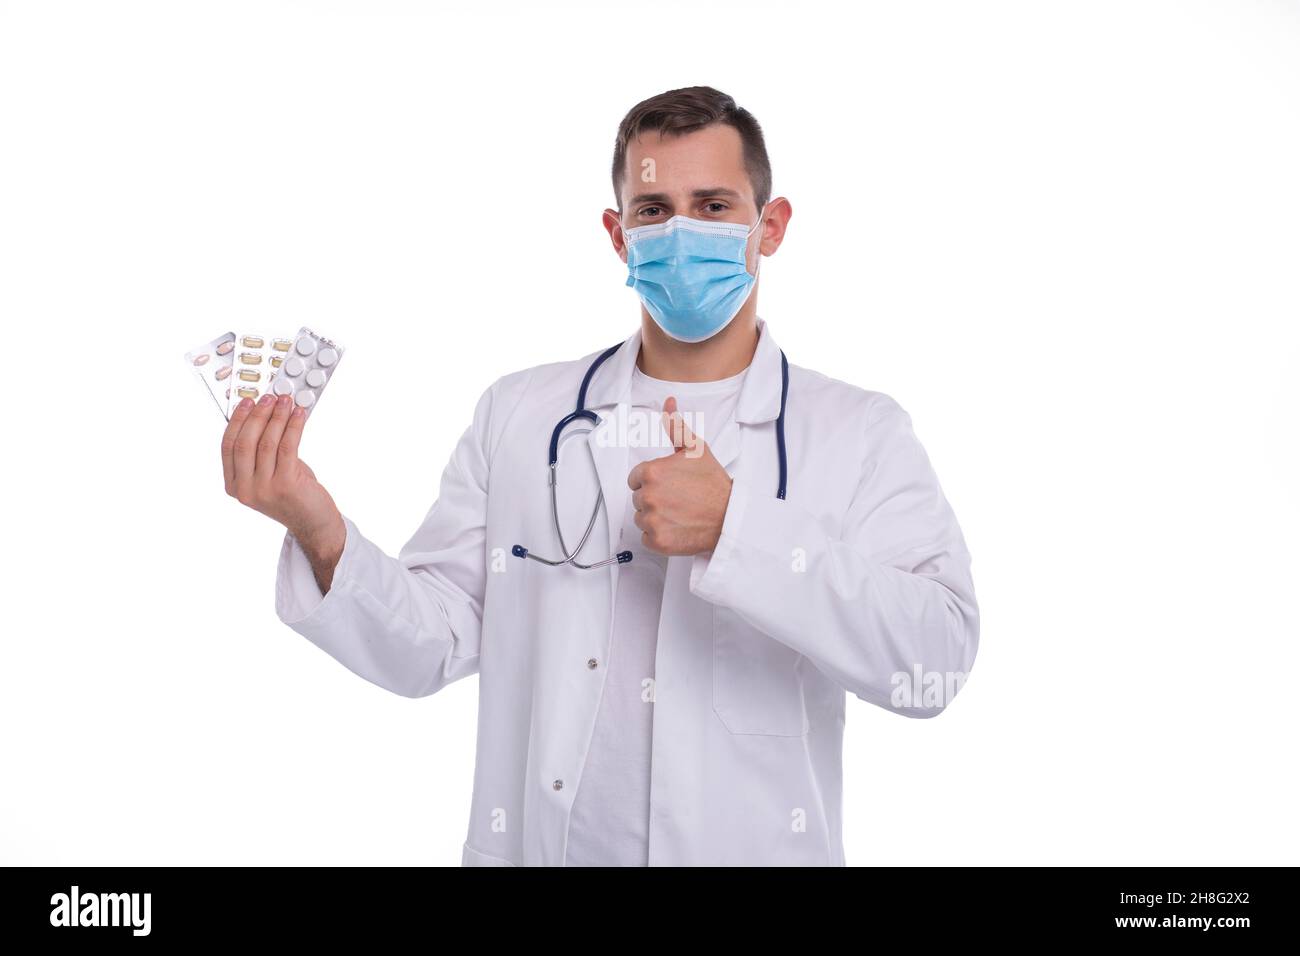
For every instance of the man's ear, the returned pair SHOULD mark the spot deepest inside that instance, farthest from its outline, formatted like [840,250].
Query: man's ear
[778,216]
[613,224]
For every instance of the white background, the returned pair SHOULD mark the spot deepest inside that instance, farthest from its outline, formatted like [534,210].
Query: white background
[1063,236]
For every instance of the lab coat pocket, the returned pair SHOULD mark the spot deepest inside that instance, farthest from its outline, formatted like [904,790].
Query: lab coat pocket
[472,857]
[756,685]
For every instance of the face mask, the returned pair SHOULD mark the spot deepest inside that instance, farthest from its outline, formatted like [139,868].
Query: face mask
[691,274]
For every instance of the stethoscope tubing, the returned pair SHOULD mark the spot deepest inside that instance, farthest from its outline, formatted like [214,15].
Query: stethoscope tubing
[581,412]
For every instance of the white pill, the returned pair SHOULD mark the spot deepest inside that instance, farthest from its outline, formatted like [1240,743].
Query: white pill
[316,378]
[305,345]
[293,366]
[282,386]
[327,356]
[305,398]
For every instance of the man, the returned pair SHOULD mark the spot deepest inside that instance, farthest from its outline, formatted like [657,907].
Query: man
[663,675]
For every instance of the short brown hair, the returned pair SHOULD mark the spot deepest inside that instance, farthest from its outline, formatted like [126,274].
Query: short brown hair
[692,108]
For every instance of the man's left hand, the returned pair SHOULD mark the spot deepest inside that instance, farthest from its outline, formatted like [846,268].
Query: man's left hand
[680,499]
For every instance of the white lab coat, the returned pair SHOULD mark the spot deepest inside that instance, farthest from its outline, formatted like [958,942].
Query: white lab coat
[859,576]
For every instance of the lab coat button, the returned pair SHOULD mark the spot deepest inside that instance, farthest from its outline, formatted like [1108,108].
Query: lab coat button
[558,785]
[591,663]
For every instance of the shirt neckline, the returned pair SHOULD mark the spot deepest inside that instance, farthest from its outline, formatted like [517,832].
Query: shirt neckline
[690,388]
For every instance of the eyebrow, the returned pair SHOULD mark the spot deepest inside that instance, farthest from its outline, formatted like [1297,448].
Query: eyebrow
[721,191]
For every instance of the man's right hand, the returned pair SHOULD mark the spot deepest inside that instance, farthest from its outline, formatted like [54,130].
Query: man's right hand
[259,455]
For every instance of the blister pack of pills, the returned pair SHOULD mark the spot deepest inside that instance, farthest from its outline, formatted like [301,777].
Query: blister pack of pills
[257,357]
[307,368]
[235,366]
[213,364]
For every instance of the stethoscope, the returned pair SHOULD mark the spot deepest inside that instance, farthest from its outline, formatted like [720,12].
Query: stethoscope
[585,414]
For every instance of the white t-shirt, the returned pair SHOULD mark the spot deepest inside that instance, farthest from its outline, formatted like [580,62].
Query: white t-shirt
[610,821]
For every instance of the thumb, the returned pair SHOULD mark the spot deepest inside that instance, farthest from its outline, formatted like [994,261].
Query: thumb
[680,435]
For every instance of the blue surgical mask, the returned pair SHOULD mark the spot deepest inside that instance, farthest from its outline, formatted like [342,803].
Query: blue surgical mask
[691,274]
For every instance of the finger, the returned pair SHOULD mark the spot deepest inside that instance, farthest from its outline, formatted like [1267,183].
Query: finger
[636,477]
[681,436]
[638,500]
[289,440]
[269,444]
[228,437]
[248,437]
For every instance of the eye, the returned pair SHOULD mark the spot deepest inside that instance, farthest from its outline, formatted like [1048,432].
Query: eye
[716,207]
[650,212]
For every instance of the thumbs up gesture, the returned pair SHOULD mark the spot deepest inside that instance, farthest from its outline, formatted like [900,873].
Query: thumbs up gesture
[680,499]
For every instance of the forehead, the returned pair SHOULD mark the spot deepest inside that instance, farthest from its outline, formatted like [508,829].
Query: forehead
[713,156]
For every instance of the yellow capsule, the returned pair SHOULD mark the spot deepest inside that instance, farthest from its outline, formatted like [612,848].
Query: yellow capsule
[249,375]
[246,393]
[281,345]
[250,358]
[253,341]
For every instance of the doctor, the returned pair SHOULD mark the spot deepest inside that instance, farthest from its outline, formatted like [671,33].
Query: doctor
[760,541]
